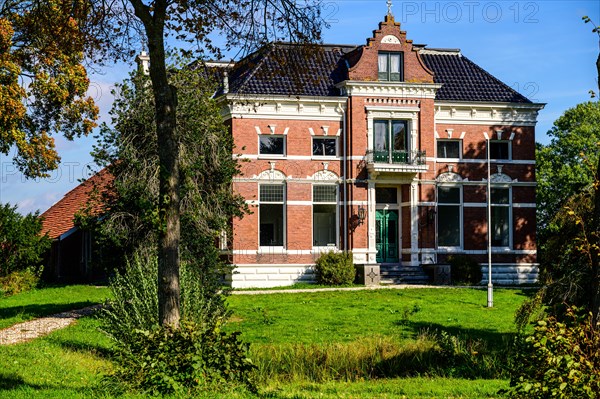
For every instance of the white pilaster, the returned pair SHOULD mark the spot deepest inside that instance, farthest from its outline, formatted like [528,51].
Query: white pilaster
[371,200]
[414,223]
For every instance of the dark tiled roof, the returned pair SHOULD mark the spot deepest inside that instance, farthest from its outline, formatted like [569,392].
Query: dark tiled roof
[463,80]
[287,69]
[60,217]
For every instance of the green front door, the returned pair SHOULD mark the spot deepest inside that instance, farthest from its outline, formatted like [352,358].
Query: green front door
[386,226]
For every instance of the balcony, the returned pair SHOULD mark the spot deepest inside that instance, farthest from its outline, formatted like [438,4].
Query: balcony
[396,161]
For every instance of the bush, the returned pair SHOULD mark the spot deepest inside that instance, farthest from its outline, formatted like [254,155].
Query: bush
[158,359]
[21,243]
[18,281]
[559,360]
[464,270]
[335,268]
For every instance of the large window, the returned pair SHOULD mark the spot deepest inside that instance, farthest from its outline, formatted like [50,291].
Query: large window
[390,67]
[325,226]
[448,223]
[500,217]
[324,146]
[272,220]
[271,145]
[448,149]
[390,141]
[500,149]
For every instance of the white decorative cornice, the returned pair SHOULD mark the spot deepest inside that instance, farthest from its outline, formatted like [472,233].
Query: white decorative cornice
[449,177]
[487,113]
[389,89]
[283,107]
[501,178]
[324,175]
[390,39]
[271,175]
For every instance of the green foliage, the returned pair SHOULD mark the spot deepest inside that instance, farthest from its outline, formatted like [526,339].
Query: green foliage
[159,359]
[21,244]
[168,360]
[335,268]
[465,270]
[559,360]
[18,281]
[566,165]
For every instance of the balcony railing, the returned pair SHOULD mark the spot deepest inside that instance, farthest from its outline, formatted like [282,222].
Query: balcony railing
[396,157]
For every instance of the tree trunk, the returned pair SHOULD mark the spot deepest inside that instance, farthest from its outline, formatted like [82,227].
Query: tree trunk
[595,236]
[168,153]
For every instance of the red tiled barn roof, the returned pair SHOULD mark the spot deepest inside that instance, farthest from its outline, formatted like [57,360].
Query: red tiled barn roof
[59,218]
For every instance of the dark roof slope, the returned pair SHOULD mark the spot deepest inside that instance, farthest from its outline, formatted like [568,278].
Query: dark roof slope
[290,70]
[463,80]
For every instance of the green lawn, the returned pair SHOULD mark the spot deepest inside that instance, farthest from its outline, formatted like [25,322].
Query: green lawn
[45,301]
[343,316]
[70,363]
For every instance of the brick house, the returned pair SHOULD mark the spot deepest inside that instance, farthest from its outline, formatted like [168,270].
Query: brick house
[380,149]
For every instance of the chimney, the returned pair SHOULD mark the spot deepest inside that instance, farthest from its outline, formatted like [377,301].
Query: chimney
[143,61]
[225,82]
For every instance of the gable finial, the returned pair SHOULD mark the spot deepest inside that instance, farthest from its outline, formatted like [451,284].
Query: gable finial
[389,6]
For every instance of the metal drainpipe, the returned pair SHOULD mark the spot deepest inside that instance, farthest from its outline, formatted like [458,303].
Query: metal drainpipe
[345,168]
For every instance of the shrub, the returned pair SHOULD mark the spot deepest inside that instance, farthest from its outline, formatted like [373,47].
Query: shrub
[18,281]
[159,359]
[559,360]
[335,268]
[464,270]
[21,243]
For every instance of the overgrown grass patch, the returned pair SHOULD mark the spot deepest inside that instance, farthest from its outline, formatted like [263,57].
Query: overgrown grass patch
[45,301]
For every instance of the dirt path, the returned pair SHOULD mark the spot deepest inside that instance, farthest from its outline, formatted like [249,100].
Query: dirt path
[32,329]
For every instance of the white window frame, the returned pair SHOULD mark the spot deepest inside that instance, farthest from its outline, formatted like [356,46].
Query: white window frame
[267,248]
[510,215]
[460,206]
[337,216]
[460,149]
[282,136]
[337,148]
[509,142]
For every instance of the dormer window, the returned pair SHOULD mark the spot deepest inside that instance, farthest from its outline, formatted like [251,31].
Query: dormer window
[390,67]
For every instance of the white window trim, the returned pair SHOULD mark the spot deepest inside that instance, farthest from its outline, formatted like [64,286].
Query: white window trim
[273,249]
[273,156]
[321,249]
[460,206]
[326,157]
[510,155]
[393,113]
[460,151]
[510,216]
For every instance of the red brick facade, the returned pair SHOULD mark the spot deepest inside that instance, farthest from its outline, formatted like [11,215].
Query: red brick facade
[414,221]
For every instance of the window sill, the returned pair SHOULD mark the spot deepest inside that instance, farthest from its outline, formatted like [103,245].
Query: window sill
[265,156]
[272,250]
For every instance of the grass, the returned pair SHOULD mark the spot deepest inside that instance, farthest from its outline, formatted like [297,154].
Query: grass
[70,363]
[345,316]
[45,301]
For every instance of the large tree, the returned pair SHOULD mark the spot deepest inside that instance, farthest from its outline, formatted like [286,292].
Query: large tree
[245,25]
[43,81]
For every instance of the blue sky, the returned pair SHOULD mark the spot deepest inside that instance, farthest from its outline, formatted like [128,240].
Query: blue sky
[540,48]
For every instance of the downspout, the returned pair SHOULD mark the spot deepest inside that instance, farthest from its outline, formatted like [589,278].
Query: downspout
[345,168]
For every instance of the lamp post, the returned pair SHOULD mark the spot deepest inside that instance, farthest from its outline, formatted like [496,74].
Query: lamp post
[490,286]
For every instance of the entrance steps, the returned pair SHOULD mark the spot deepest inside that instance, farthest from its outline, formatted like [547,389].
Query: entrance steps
[401,274]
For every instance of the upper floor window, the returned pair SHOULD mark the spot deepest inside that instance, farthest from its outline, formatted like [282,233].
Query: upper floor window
[324,146]
[448,149]
[390,67]
[500,149]
[390,141]
[271,145]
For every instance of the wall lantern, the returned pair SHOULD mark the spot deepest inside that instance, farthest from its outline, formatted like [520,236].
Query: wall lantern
[362,213]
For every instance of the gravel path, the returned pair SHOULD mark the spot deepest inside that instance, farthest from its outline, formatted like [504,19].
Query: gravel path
[32,329]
